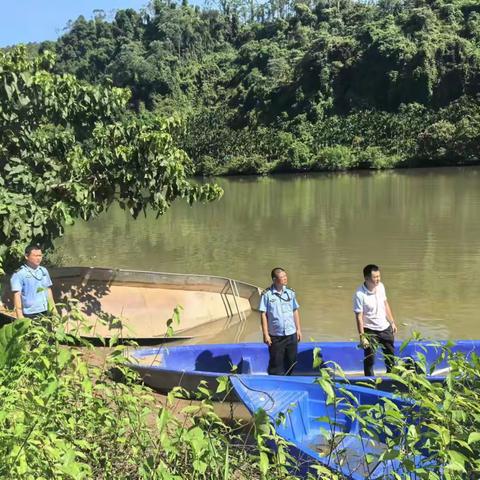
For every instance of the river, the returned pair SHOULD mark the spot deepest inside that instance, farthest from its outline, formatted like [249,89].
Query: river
[422,226]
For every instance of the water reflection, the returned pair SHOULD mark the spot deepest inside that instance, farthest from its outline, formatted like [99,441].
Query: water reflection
[421,226]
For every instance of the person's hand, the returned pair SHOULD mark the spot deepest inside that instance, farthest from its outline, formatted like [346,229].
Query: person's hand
[267,339]
[394,327]
[52,307]
[364,343]
[299,335]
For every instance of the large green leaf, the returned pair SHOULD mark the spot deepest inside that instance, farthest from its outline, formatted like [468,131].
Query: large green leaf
[12,341]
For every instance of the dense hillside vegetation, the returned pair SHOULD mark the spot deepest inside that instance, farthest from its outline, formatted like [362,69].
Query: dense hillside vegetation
[306,85]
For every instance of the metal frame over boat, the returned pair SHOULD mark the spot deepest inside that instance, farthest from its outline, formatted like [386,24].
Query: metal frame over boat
[136,305]
[320,432]
[165,367]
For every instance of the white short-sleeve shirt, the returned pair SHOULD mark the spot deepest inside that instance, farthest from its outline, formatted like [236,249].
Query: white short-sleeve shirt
[372,305]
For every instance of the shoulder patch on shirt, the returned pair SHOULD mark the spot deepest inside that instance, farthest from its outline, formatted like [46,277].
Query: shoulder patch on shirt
[264,292]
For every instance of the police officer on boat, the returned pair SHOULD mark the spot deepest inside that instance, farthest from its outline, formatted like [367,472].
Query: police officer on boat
[280,322]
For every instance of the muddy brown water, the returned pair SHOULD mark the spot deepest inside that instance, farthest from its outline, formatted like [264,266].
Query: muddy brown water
[421,226]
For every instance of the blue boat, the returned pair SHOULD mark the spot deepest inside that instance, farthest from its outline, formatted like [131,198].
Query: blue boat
[165,367]
[321,433]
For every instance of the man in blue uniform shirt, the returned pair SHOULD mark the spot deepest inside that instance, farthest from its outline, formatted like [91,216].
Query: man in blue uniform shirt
[280,324]
[31,286]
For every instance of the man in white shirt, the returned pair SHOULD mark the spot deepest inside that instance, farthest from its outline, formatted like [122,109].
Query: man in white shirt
[374,318]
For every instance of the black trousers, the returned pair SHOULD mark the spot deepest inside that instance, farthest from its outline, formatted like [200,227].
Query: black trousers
[35,316]
[385,339]
[283,354]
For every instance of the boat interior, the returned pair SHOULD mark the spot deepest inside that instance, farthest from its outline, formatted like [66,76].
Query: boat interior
[139,305]
[320,430]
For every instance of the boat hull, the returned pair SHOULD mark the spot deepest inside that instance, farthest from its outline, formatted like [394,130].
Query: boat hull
[136,305]
[163,368]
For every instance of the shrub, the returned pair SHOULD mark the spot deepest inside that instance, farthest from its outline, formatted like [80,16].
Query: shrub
[64,418]
[247,165]
[374,157]
[338,157]
[436,141]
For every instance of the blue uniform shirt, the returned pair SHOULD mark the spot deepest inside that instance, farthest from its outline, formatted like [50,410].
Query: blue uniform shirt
[279,307]
[33,285]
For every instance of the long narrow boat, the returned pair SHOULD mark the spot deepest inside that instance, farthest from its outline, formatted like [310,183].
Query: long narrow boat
[164,367]
[323,433]
[136,305]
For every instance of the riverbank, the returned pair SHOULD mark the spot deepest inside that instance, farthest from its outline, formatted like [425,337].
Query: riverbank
[337,160]
[414,136]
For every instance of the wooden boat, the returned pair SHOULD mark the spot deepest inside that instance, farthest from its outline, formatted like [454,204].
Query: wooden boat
[319,432]
[136,305]
[164,367]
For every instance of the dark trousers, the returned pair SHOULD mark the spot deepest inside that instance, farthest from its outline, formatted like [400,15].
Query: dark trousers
[35,316]
[385,339]
[283,354]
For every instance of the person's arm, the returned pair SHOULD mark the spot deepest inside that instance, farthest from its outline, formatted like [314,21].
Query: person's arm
[263,307]
[52,308]
[390,318]
[363,339]
[358,310]
[16,285]
[296,318]
[17,304]
[264,322]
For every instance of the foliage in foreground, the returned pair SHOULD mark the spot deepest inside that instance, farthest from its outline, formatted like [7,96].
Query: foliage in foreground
[427,431]
[437,436]
[64,417]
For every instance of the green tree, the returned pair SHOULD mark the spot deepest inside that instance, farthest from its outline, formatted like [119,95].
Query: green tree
[86,49]
[67,151]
